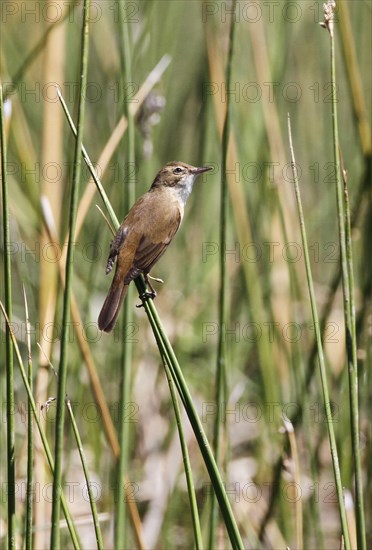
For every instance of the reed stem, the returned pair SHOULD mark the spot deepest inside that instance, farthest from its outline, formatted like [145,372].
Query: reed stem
[322,366]
[126,352]
[344,232]
[10,426]
[221,381]
[62,374]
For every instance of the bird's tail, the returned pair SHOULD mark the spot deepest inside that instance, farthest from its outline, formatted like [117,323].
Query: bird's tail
[111,307]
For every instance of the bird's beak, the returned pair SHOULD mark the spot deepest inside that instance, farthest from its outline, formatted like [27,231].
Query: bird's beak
[200,170]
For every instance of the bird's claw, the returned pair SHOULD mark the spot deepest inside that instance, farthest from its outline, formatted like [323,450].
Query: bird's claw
[146,296]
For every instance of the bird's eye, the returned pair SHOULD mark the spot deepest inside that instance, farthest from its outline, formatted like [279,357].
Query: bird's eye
[178,170]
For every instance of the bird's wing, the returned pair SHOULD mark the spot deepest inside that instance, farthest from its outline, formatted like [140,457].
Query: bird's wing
[121,248]
[154,242]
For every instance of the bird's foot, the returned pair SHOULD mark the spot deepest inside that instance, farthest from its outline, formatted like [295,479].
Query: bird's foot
[146,296]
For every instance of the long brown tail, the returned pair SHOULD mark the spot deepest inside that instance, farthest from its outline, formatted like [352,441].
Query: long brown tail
[111,307]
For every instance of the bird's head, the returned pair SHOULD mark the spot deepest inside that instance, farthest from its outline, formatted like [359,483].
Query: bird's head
[179,176]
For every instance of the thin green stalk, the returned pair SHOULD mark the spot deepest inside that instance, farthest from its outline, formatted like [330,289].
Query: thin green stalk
[348,291]
[62,376]
[302,395]
[86,475]
[322,367]
[43,437]
[10,437]
[353,383]
[124,433]
[221,389]
[30,437]
[166,349]
[186,460]
[121,534]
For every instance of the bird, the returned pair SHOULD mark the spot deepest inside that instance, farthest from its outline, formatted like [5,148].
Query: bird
[145,234]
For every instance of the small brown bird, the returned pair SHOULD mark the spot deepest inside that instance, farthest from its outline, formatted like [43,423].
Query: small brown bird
[145,234]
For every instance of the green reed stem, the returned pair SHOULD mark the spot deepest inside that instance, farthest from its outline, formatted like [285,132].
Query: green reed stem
[36,414]
[92,502]
[126,355]
[30,437]
[186,460]
[62,375]
[344,232]
[10,437]
[353,384]
[322,367]
[221,381]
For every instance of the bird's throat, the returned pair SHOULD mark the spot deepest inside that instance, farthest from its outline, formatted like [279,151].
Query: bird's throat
[185,188]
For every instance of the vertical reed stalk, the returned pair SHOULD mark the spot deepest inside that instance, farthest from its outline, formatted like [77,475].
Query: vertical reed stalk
[92,502]
[221,389]
[343,218]
[244,233]
[186,460]
[353,381]
[8,341]
[62,375]
[322,367]
[51,148]
[126,354]
[30,437]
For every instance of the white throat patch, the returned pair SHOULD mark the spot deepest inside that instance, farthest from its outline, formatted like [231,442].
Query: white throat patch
[185,189]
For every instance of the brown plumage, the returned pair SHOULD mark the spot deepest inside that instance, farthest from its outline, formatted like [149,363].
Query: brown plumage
[146,233]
